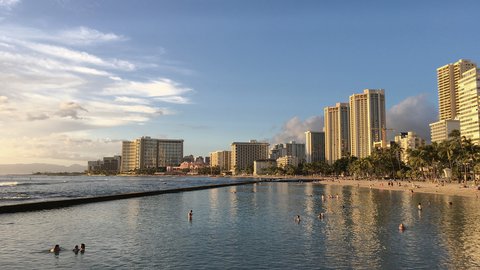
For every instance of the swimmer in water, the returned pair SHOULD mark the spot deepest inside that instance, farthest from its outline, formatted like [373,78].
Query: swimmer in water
[82,248]
[419,206]
[401,227]
[190,215]
[297,218]
[76,249]
[56,249]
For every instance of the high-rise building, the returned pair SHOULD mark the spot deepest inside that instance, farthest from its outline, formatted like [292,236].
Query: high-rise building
[314,146]
[408,140]
[337,131]
[367,121]
[440,130]
[448,77]
[245,153]
[222,159]
[469,105]
[288,149]
[145,152]
[130,156]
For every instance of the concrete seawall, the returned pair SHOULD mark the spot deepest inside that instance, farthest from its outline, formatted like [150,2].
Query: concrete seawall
[37,206]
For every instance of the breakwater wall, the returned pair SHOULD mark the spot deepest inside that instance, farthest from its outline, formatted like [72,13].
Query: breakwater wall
[45,205]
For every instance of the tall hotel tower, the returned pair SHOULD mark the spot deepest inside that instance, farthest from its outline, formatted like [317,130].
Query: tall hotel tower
[448,78]
[145,152]
[449,104]
[367,119]
[245,153]
[314,146]
[469,105]
[337,132]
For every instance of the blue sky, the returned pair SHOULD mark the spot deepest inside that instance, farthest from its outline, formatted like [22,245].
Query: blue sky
[80,76]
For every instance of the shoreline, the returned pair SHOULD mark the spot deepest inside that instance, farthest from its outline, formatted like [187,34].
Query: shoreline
[449,189]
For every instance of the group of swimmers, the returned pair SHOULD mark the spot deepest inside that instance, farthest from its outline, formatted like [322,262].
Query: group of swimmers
[57,249]
[298,219]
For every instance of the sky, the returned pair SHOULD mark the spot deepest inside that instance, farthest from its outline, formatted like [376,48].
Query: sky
[79,77]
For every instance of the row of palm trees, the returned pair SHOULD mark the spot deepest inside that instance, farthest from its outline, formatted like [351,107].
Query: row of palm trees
[455,159]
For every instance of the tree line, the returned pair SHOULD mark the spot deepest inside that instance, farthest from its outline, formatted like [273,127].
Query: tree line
[456,159]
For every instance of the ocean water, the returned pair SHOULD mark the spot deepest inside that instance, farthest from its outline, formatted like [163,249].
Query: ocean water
[251,227]
[17,189]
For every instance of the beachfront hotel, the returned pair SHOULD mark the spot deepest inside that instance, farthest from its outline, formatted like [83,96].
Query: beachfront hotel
[222,159]
[457,101]
[408,140]
[337,131]
[245,153]
[145,152]
[440,130]
[469,105]
[314,146]
[288,149]
[107,165]
[367,121]
[448,78]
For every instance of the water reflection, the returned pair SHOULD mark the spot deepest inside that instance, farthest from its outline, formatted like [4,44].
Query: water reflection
[252,227]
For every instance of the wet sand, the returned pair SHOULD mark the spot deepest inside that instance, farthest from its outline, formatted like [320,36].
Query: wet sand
[406,186]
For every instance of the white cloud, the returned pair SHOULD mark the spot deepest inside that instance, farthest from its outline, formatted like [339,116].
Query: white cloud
[156,88]
[57,148]
[3,100]
[48,88]
[294,129]
[70,109]
[8,4]
[85,36]
[412,114]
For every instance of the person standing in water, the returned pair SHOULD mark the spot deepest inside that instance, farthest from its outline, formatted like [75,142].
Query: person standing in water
[82,248]
[190,215]
[56,249]
[297,218]
[419,206]
[76,249]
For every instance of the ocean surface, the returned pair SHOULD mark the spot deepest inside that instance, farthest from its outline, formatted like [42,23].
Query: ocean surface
[17,189]
[251,227]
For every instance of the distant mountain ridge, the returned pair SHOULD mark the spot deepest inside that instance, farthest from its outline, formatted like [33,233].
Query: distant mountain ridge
[39,167]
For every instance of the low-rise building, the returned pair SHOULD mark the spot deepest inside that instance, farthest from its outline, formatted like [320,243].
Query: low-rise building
[261,166]
[285,161]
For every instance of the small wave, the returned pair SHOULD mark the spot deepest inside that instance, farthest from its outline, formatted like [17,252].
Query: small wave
[15,198]
[13,184]
[8,184]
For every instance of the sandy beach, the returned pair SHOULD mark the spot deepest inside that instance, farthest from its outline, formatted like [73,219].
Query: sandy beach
[408,186]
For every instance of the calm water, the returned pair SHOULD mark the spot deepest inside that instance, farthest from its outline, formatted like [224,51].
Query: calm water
[251,227]
[18,189]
